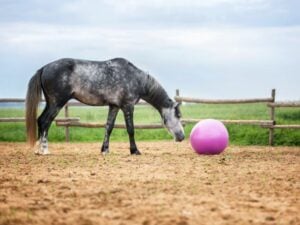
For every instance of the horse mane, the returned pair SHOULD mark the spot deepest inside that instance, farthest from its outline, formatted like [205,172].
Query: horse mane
[155,93]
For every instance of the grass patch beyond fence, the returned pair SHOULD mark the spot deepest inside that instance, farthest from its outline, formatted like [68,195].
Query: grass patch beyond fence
[239,134]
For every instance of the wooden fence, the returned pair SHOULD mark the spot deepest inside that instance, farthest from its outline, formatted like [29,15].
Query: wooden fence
[270,124]
[272,107]
[68,122]
[72,123]
[65,119]
[270,102]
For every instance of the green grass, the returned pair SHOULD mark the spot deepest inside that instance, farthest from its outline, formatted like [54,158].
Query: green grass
[239,134]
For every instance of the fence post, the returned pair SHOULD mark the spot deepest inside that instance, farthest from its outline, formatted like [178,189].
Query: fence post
[272,118]
[67,129]
[177,94]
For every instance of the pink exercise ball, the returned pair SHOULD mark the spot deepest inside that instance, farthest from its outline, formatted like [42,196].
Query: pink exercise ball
[209,137]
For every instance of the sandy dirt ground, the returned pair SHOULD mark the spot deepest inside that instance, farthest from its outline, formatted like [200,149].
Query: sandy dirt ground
[168,184]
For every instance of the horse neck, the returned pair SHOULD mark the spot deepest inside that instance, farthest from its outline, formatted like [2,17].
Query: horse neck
[156,95]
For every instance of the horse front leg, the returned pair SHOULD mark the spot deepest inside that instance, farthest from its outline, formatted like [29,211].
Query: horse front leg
[111,118]
[128,115]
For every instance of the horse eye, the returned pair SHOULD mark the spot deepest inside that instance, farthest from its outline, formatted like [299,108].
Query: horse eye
[165,120]
[177,113]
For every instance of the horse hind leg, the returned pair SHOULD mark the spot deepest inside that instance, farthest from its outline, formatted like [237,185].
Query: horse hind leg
[44,122]
[40,121]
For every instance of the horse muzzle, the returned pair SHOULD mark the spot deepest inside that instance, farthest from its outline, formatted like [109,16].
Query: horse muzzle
[179,137]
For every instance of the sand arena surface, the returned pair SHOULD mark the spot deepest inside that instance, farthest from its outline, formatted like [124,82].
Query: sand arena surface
[168,184]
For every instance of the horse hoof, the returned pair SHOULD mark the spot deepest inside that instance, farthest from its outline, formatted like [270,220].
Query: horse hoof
[104,153]
[136,152]
[41,153]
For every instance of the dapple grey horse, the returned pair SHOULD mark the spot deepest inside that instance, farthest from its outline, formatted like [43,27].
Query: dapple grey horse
[116,83]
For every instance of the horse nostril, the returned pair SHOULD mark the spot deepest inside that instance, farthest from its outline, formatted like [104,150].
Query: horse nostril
[179,137]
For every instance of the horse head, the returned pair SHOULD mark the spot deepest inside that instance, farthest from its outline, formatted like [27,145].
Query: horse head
[171,118]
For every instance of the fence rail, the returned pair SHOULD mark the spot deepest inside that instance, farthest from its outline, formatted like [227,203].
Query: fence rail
[222,101]
[240,122]
[284,104]
[12,100]
[270,124]
[22,119]
[103,125]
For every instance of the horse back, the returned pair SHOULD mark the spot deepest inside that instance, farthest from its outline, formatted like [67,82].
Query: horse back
[115,81]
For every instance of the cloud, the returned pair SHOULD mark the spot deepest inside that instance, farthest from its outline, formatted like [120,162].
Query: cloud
[216,43]
[183,13]
[138,5]
[221,47]
[107,13]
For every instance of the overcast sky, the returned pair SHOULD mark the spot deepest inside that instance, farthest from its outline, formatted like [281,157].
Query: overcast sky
[208,49]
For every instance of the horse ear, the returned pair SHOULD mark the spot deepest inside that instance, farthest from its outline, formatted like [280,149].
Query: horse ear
[177,110]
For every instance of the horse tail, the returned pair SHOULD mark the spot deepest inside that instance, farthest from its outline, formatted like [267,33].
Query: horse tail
[33,98]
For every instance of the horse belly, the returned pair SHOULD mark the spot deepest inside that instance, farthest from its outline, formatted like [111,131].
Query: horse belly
[89,98]
[99,97]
